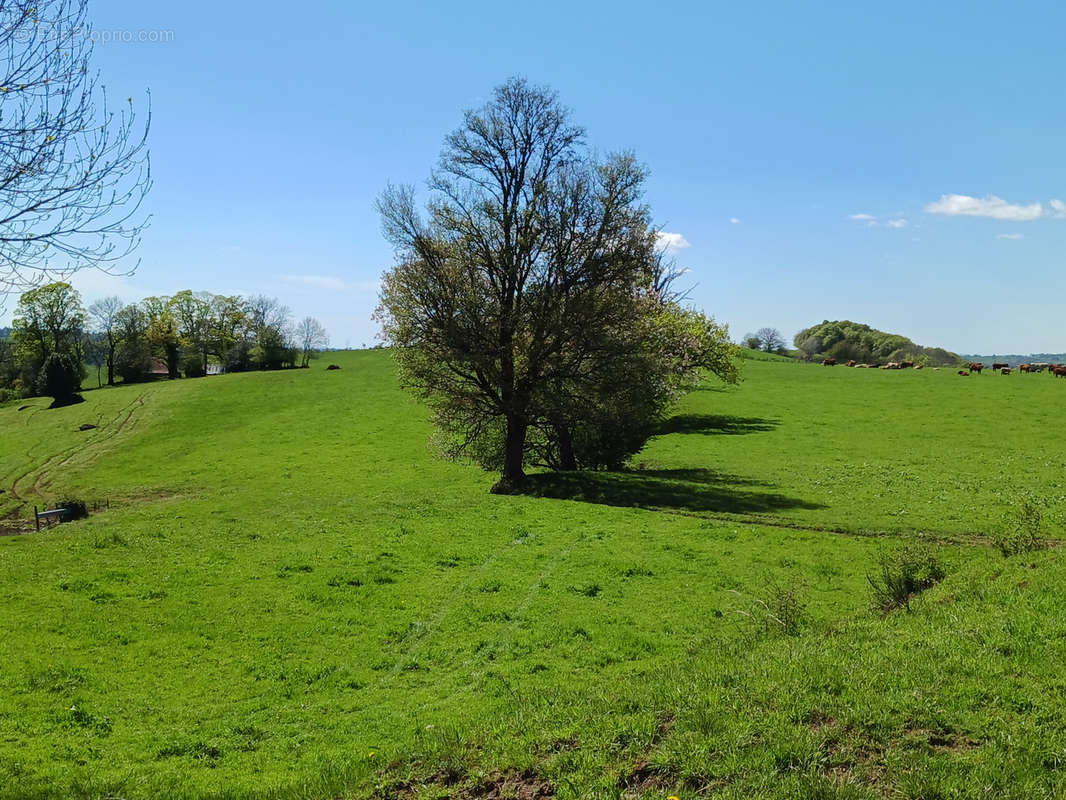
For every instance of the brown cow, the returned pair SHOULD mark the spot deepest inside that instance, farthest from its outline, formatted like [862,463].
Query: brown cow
[906,364]
[976,367]
[829,362]
[1059,372]
[850,363]
[963,373]
[998,365]
[1024,368]
[891,365]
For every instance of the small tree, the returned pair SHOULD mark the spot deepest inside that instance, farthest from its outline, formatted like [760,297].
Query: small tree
[310,337]
[810,346]
[95,349]
[770,340]
[104,313]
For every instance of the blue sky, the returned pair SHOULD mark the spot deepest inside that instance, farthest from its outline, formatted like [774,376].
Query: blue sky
[896,164]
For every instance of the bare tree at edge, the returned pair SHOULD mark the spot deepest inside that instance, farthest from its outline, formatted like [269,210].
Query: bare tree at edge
[73,172]
[310,337]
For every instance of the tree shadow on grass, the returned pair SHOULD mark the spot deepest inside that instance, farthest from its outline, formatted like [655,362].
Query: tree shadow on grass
[689,490]
[715,425]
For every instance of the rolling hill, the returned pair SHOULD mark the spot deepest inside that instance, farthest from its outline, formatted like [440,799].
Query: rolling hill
[291,597]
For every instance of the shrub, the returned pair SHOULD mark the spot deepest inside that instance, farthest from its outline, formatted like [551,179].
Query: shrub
[60,378]
[903,574]
[1023,528]
[780,609]
[192,366]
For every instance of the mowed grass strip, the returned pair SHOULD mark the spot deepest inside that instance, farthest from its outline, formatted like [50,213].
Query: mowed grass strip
[293,598]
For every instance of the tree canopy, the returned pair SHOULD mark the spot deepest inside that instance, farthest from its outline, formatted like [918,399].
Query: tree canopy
[516,306]
[843,340]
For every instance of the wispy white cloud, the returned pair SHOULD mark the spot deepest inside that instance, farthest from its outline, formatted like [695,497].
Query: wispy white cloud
[990,206]
[330,283]
[1010,236]
[1058,209]
[672,242]
[734,220]
[873,222]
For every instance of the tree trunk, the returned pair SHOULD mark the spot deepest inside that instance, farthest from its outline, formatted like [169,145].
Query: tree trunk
[172,362]
[567,460]
[110,359]
[514,450]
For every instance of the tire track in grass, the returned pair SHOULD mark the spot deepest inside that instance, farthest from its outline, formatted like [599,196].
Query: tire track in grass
[534,588]
[85,452]
[433,625]
[83,456]
[964,538]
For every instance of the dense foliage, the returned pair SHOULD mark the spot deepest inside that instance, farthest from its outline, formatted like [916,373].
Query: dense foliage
[528,311]
[844,340]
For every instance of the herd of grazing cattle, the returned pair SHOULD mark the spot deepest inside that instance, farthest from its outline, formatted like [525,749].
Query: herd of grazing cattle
[1058,370]
[832,362]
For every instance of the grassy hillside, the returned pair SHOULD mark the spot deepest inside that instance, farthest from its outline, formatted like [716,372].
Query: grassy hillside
[749,354]
[292,598]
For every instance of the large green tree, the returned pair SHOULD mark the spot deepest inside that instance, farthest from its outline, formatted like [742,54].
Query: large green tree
[49,321]
[535,255]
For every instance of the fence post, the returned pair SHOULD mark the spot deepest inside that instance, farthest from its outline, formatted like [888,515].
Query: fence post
[36,519]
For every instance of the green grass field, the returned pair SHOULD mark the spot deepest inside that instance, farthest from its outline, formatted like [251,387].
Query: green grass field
[291,597]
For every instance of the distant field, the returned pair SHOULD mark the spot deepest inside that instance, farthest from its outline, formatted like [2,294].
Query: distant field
[291,597]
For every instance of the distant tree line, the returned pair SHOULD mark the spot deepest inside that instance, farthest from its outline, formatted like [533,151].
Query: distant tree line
[53,337]
[845,340]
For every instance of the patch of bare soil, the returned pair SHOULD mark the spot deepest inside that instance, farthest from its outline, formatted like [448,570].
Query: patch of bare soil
[644,778]
[943,741]
[15,526]
[511,785]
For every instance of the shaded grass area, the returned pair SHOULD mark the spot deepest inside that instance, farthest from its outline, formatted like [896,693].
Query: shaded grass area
[715,425]
[880,450]
[698,490]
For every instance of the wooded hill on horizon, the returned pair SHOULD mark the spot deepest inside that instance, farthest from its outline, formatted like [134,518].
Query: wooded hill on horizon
[845,340]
